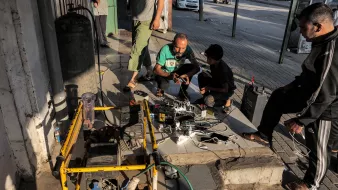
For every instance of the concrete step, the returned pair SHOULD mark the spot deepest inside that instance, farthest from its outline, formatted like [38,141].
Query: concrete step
[251,172]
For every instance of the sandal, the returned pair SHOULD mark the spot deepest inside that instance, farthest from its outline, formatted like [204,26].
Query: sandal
[159,92]
[255,137]
[129,86]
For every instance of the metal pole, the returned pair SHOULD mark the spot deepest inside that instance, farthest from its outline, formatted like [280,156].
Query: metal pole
[201,9]
[287,30]
[235,19]
[53,61]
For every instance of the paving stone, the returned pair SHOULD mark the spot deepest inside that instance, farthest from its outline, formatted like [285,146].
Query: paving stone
[333,178]
[294,168]
[277,148]
[329,184]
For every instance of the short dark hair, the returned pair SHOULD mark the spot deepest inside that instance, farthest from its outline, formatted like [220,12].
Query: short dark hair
[180,36]
[317,13]
[214,51]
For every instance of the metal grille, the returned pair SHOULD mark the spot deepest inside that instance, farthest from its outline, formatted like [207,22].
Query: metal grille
[61,6]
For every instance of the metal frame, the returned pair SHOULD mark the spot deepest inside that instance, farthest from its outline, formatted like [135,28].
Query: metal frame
[72,136]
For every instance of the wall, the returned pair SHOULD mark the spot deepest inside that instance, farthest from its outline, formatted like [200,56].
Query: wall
[24,89]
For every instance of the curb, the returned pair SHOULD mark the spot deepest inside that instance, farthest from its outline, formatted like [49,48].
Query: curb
[270,3]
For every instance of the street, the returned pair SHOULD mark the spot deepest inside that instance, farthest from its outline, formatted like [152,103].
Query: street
[258,23]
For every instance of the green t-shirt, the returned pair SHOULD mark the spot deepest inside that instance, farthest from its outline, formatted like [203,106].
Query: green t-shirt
[166,58]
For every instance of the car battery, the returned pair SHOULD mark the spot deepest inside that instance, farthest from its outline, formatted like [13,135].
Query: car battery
[253,103]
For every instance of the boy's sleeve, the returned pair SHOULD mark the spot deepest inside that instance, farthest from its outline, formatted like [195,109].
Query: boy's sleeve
[161,56]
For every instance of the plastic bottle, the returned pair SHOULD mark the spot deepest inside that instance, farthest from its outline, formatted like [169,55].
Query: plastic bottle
[57,134]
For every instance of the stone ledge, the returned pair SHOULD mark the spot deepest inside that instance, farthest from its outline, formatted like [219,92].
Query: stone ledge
[195,158]
[252,171]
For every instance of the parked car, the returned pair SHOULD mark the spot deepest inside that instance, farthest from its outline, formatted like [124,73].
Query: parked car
[223,1]
[186,4]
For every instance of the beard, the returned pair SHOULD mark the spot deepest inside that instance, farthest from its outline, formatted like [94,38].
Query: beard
[178,55]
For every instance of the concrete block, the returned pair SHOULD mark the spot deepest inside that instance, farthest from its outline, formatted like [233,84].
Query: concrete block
[254,170]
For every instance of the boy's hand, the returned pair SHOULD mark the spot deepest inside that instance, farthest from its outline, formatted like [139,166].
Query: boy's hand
[204,90]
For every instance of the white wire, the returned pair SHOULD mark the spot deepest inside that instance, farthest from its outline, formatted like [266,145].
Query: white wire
[297,151]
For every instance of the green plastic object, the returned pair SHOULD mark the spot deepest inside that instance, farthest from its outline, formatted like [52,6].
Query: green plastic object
[169,164]
[112,24]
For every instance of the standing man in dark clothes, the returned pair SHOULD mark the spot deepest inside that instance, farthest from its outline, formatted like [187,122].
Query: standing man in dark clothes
[217,86]
[313,95]
[101,12]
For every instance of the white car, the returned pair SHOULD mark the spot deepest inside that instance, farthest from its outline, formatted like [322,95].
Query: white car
[186,4]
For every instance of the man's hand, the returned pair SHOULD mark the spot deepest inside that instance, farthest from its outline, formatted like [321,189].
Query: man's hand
[156,24]
[175,78]
[186,78]
[293,126]
[204,90]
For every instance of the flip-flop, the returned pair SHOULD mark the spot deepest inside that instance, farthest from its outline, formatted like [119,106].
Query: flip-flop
[132,85]
[256,138]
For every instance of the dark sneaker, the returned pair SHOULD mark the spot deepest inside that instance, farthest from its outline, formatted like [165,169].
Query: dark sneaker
[227,109]
[297,185]
[145,78]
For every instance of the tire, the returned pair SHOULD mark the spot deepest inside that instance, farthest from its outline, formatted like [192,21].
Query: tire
[176,5]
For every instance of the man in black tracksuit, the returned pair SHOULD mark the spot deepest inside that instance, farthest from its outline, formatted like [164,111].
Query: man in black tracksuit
[313,95]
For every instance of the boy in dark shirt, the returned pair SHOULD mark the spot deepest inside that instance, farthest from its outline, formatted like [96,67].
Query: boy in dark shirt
[216,86]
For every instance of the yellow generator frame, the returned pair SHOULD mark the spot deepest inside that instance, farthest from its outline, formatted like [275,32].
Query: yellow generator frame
[72,136]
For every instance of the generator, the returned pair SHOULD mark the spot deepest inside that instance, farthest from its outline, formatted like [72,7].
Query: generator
[253,103]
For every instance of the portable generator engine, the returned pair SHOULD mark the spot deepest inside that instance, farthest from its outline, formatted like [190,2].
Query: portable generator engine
[103,149]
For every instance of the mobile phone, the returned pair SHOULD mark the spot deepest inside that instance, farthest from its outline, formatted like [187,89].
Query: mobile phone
[182,80]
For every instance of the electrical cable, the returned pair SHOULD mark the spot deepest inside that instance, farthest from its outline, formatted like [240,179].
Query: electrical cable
[297,151]
[171,165]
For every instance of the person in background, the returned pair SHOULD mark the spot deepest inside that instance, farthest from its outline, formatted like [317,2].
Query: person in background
[217,86]
[171,65]
[101,12]
[145,19]
[312,96]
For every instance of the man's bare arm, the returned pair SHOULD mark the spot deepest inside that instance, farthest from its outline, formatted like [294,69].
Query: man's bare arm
[158,71]
[156,22]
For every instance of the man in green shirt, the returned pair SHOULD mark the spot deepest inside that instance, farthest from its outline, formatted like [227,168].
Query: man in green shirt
[170,66]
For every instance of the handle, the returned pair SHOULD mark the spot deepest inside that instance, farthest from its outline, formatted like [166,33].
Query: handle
[57,166]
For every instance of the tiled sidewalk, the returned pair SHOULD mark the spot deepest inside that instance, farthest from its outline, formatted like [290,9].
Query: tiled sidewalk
[247,60]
